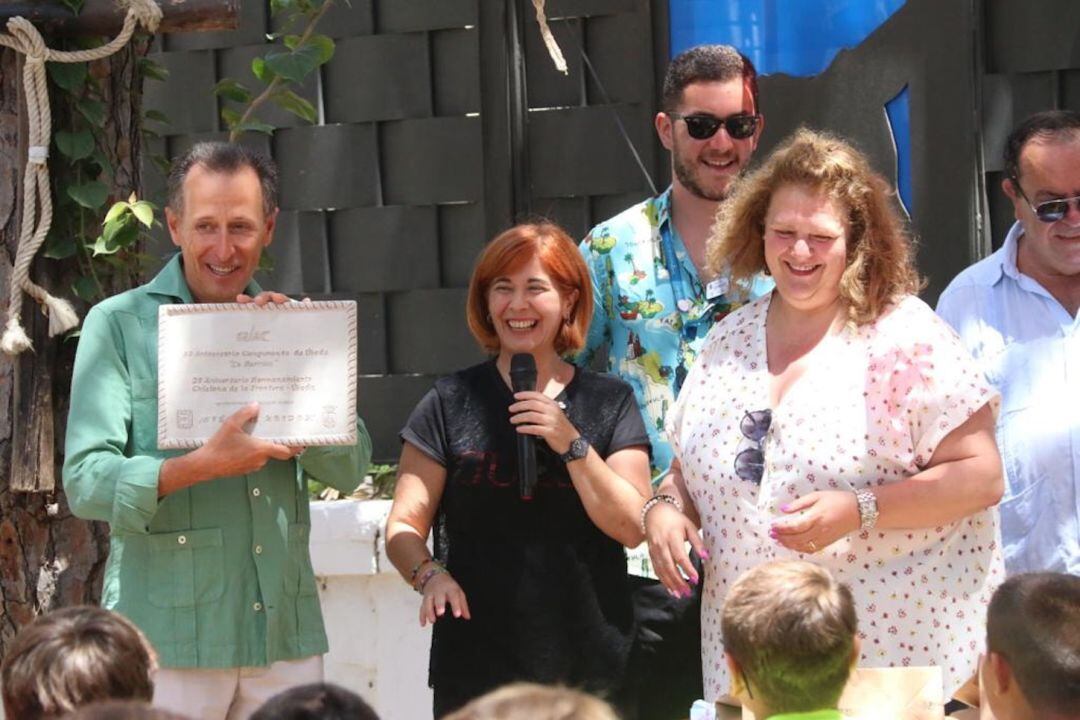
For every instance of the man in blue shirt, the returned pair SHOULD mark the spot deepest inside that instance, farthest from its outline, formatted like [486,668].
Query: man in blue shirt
[654,302]
[1017,313]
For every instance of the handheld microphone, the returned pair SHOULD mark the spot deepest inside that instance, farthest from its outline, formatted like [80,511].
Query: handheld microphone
[522,379]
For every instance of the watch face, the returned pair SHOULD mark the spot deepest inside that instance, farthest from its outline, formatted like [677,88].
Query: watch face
[579,448]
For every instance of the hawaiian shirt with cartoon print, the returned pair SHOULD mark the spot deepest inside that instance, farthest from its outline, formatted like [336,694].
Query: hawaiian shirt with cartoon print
[651,309]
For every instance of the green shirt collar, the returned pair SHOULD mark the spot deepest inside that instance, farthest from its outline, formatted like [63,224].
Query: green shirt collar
[170,282]
[814,715]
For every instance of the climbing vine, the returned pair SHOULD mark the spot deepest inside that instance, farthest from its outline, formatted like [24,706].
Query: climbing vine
[106,238]
[302,51]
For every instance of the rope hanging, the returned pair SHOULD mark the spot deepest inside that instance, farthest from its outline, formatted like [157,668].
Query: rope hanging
[23,37]
[549,39]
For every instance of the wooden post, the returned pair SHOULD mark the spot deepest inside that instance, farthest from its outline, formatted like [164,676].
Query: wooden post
[48,558]
[104,17]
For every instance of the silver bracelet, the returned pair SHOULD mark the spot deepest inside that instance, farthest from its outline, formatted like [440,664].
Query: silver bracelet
[656,500]
[868,509]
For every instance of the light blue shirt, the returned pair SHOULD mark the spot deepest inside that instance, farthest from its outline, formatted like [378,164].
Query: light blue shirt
[1028,346]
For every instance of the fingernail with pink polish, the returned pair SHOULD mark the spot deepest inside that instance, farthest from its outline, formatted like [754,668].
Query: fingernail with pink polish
[784,508]
[772,533]
[693,579]
[704,554]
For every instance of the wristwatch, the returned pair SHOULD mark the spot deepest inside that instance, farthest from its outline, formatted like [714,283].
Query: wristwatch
[579,448]
[868,510]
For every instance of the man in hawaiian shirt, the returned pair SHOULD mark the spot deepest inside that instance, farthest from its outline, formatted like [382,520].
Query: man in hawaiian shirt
[655,302]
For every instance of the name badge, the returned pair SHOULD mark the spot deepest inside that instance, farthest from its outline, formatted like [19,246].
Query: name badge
[716,288]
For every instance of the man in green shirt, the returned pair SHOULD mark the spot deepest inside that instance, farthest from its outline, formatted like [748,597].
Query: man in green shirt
[790,640]
[209,548]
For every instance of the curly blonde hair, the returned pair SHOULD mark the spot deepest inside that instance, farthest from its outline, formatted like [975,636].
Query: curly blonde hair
[530,701]
[880,262]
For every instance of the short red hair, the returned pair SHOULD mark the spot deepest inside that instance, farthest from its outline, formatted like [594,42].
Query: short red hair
[560,258]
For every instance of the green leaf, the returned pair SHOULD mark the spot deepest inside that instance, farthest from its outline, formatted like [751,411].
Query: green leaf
[231,116]
[261,71]
[297,105]
[75,145]
[253,125]
[68,76]
[74,5]
[232,90]
[298,64]
[296,6]
[118,235]
[143,212]
[85,288]
[59,246]
[293,66]
[90,195]
[92,110]
[154,70]
[322,46]
[115,211]
[157,116]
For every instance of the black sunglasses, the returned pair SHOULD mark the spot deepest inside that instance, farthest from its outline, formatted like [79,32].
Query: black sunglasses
[750,463]
[1049,211]
[703,127]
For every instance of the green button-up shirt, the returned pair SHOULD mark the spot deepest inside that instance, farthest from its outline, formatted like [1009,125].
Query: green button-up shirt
[217,574]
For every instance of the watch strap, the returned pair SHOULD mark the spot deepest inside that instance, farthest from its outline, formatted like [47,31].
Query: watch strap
[579,448]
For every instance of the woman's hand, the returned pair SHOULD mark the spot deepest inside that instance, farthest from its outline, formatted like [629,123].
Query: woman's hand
[667,531]
[440,591]
[535,413]
[815,521]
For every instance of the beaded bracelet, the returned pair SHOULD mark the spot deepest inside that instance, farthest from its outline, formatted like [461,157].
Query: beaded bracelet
[416,568]
[435,569]
[656,500]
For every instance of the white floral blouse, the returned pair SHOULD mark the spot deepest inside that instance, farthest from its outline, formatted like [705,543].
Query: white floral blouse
[870,410]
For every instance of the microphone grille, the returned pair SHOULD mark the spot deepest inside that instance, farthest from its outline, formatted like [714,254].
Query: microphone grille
[522,363]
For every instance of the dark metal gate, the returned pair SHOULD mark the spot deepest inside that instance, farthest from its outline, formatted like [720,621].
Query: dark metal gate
[442,122]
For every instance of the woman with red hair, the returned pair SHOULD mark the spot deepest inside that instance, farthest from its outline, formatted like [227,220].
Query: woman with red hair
[523,589]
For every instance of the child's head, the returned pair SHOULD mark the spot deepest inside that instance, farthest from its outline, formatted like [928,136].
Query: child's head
[72,657]
[789,635]
[1032,667]
[122,710]
[315,701]
[529,701]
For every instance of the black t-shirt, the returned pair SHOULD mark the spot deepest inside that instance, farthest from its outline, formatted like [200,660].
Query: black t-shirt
[547,589]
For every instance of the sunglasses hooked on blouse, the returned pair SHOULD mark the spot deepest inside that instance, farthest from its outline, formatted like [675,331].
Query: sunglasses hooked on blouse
[750,463]
[702,127]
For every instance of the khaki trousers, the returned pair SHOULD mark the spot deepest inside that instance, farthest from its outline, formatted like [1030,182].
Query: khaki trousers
[230,693]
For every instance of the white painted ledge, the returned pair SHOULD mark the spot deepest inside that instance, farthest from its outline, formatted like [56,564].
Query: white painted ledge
[377,647]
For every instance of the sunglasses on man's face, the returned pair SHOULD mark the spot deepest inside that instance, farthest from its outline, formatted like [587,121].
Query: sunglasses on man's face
[703,127]
[1051,210]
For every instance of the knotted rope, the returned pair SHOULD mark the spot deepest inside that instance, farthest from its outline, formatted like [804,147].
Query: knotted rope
[23,37]
[549,39]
